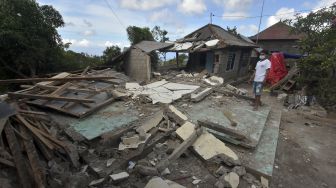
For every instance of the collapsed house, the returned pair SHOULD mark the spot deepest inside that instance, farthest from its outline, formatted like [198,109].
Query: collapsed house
[216,50]
[99,128]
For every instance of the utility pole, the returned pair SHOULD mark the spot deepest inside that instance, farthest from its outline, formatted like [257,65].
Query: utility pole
[261,15]
[211,17]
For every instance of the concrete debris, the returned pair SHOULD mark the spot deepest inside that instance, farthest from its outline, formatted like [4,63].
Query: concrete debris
[156,182]
[201,95]
[236,90]
[240,170]
[233,179]
[109,162]
[197,181]
[150,122]
[119,177]
[165,172]
[221,171]
[97,182]
[132,142]
[131,165]
[175,114]
[214,81]
[161,91]
[264,182]
[146,170]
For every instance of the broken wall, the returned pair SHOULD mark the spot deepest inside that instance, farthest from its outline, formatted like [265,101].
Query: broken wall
[138,65]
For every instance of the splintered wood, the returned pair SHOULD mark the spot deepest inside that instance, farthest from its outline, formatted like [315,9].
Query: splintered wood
[75,94]
[25,136]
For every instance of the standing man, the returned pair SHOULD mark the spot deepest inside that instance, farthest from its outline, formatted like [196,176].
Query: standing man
[259,77]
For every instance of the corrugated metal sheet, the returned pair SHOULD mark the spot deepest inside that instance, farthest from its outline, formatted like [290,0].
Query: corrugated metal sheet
[149,46]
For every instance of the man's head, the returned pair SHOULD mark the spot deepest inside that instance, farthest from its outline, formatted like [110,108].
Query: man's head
[263,55]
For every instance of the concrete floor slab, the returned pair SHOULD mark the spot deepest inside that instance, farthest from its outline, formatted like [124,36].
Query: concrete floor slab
[250,123]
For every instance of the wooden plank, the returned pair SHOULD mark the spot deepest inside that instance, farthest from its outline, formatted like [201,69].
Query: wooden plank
[33,112]
[65,79]
[53,88]
[85,70]
[31,96]
[19,161]
[38,172]
[7,162]
[221,129]
[96,108]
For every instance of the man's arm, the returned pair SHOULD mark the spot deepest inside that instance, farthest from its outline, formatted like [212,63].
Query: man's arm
[266,74]
[252,77]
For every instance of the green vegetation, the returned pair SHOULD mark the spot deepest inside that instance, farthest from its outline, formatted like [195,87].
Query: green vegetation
[318,68]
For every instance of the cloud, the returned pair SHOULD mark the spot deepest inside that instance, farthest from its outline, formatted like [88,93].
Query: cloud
[89,32]
[110,43]
[323,3]
[247,30]
[234,15]
[192,6]
[87,23]
[144,4]
[234,9]
[70,24]
[78,43]
[282,14]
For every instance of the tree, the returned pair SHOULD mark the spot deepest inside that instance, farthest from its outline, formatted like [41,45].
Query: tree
[138,34]
[318,68]
[232,30]
[159,34]
[29,41]
[111,52]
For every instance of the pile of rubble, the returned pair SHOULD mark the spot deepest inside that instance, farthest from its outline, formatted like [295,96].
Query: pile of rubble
[127,134]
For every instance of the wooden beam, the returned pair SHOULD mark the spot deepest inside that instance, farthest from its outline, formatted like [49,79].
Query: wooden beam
[19,161]
[7,162]
[229,93]
[66,79]
[32,96]
[38,172]
[53,88]
[33,112]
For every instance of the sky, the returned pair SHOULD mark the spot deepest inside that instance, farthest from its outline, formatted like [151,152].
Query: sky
[93,25]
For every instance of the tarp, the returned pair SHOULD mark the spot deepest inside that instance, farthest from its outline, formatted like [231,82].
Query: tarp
[278,68]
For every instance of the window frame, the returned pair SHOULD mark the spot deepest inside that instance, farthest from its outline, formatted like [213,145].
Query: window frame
[230,65]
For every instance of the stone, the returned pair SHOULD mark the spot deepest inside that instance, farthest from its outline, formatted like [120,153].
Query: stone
[150,123]
[174,184]
[109,162]
[221,171]
[166,171]
[233,179]
[195,182]
[240,170]
[97,182]
[185,131]
[264,182]
[146,170]
[156,182]
[120,176]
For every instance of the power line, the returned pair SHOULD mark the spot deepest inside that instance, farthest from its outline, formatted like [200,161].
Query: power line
[269,15]
[261,15]
[115,15]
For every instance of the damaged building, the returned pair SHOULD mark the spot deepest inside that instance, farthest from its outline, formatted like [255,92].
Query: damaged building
[216,50]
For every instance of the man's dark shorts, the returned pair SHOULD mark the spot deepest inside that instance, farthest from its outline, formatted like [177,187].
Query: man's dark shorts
[257,88]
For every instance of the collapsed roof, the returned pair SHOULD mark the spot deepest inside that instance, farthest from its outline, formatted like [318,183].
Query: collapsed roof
[209,37]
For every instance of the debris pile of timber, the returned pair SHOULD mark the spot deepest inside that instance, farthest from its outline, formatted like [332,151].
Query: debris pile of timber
[75,94]
[28,144]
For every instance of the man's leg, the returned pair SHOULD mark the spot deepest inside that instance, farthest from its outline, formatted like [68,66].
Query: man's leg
[258,91]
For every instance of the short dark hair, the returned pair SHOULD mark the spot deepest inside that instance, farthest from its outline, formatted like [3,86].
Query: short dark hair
[264,52]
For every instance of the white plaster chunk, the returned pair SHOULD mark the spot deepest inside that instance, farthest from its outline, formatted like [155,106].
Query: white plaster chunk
[119,176]
[233,179]
[186,130]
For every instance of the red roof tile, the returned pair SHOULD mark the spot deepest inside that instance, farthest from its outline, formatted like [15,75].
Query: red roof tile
[278,31]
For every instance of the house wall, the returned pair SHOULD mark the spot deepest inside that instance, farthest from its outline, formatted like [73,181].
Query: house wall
[137,65]
[279,45]
[195,64]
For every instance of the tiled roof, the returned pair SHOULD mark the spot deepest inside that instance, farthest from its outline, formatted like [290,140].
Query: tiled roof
[278,31]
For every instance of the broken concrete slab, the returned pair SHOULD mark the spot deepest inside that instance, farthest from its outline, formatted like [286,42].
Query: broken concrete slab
[119,176]
[250,123]
[151,122]
[157,182]
[161,91]
[130,140]
[177,115]
[111,118]
[207,146]
[146,170]
[134,143]
[97,182]
[201,95]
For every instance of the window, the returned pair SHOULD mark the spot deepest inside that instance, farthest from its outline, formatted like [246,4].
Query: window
[216,58]
[231,60]
[245,59]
